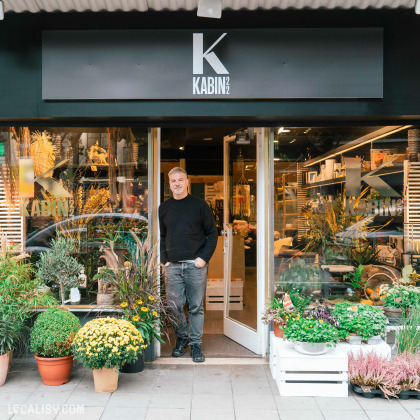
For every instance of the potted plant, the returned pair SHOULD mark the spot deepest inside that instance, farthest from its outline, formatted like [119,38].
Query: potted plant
[20,294]
[51,339]
[277,314]
[8,330]
[399,299]
[311,336]
[58,267]
[362,320]
[370,374]
[104,345]
[136,289]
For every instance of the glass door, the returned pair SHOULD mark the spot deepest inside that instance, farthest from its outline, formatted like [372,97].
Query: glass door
[240,320]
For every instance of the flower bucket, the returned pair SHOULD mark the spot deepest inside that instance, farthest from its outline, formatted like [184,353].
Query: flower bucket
[105,379]
[312,349]
[55,371]
[135,367]
[278,329]
[4,367]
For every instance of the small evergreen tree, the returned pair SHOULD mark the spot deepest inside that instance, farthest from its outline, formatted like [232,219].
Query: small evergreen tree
[57,265]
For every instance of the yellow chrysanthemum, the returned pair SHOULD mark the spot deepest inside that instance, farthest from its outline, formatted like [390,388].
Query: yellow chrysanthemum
[140,302]
[155,313]
[124,304]
[144,309]
[151,298]
[136,318]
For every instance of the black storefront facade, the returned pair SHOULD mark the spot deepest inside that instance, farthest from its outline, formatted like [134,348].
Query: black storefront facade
[272,70]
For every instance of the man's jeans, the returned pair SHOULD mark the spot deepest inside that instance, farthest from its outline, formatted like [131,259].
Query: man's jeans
[186,281]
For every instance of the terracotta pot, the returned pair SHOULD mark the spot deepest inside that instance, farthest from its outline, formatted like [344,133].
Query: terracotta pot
[105,379]
[4,367]
[55,371]
[278,329]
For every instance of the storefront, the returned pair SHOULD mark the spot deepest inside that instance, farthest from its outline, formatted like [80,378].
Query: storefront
[298,128]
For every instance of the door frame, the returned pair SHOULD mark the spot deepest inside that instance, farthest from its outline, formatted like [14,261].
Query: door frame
[265,209]
[255,341]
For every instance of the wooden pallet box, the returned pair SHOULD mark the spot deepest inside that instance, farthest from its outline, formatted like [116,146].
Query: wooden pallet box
[300,375]
[215,294]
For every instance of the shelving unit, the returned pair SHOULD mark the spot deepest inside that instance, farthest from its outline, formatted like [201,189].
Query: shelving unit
[284,201]
[384,171]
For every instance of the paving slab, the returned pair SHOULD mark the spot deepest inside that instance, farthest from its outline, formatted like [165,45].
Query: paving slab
[252,414]
[212,414]
[123,413]
[167,414]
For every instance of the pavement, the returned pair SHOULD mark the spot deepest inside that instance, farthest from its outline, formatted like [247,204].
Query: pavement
[219,389]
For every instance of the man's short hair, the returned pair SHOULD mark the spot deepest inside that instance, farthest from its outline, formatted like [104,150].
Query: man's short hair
[176,170]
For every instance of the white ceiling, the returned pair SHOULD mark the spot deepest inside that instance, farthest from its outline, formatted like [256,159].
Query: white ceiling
[36,6]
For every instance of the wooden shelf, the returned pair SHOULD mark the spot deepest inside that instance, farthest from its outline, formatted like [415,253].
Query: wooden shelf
[336,181]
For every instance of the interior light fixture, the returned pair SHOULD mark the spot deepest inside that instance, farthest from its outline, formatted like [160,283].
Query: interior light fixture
[1,10]
[210,8]
[276,141]
[207,138]
[353,145]
[282,130]
[181,147]
[242,138]
[293,141]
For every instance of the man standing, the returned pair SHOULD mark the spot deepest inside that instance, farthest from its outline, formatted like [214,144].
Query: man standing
[188,238]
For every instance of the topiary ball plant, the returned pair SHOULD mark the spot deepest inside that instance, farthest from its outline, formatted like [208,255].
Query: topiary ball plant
[53,333]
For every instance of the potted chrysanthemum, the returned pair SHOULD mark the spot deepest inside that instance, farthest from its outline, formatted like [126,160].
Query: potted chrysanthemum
[104,345]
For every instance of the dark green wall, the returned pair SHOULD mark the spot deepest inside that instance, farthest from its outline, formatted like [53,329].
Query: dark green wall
[20,70]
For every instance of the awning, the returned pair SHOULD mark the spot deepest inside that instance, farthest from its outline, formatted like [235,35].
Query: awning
[36,6]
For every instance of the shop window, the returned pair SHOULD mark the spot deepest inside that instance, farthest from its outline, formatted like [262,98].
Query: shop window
[345,203]
[87,183]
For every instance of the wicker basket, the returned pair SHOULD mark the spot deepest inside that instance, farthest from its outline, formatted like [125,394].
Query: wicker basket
[377,280]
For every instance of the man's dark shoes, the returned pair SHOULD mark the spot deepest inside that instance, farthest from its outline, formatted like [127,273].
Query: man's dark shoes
[180,347]
[197,355]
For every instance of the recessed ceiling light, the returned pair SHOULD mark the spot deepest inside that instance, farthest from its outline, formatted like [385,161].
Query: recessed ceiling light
[282,130]
[181,148]
[207,138]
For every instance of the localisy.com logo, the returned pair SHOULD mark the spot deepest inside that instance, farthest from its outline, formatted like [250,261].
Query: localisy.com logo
[208,85]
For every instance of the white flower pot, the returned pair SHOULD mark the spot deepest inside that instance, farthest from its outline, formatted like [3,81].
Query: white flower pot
[312,349]
[373,341]
[355,340]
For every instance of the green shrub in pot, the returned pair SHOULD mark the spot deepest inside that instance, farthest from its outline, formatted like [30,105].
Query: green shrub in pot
[53,333]
[51,340]
[361,319]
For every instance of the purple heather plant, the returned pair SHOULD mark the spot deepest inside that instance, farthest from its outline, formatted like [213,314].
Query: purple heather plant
[391,376]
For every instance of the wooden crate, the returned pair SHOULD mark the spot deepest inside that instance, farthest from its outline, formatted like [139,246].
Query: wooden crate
[215,291]
[300,375]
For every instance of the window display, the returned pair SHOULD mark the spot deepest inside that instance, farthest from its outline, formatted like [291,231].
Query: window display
[89,184]
[346,219]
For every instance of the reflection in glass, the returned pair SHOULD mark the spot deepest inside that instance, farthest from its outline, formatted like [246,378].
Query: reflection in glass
[339,209]
[87,183]
[242,215]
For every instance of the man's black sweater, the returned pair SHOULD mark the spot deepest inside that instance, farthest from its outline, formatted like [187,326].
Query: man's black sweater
[187,230]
